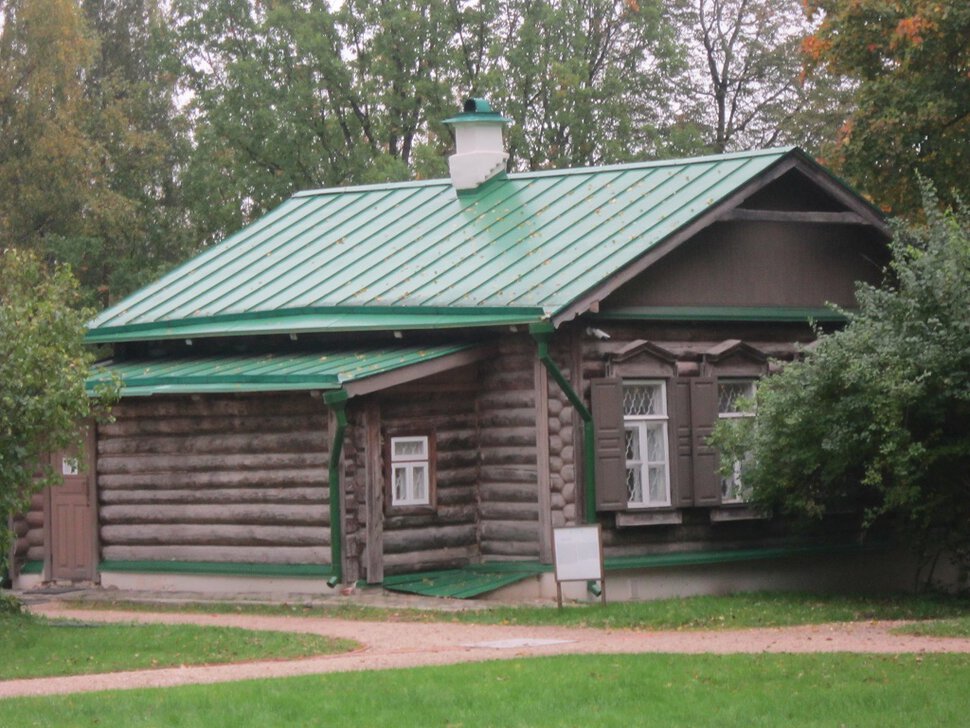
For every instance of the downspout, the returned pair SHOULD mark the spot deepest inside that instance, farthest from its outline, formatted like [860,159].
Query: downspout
[542,333]
[337,401]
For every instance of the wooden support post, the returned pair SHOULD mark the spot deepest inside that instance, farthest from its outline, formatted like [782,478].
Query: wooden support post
[374,478]
[542,462]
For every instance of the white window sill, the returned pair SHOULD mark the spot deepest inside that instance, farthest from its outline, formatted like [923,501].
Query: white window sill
[738,512]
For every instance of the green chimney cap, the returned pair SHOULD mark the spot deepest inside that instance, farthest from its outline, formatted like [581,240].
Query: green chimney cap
[477,110]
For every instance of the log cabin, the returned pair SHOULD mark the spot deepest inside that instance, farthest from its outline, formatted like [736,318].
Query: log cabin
[412,384]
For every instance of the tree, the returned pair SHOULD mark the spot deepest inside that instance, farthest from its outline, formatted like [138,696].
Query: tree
[878,414]
[911,61]
[745,84]
[43,368]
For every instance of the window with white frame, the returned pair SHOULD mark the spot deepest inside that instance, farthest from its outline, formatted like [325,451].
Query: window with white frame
[647,452]
[735,398]
[410,471]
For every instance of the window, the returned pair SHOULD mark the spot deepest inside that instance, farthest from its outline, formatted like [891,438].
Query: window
[410,471]
[734,399]
[645,435]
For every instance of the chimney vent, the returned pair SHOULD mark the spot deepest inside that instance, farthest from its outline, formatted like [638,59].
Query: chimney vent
[479,149]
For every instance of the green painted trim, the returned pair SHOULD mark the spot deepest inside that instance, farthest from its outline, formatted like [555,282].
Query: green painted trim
[336,401]
[720,313]
[542,333]
[215,568]
[32,567]
[139,391]
[265,322]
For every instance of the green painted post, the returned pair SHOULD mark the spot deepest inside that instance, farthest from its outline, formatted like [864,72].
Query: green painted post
[337,401]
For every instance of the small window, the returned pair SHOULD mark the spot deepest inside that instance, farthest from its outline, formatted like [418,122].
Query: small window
[647,460]
[735,398]
[410,471]
[70,466]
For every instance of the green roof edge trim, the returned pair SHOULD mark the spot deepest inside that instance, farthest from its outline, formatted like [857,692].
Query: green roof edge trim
[719,313]
[463,317]
[216,568]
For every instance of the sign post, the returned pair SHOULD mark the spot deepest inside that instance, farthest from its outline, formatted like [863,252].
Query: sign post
[578,555]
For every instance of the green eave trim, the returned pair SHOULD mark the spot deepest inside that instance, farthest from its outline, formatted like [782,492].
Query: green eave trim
[216,568]
[32,567]
[315,320]
[720,313]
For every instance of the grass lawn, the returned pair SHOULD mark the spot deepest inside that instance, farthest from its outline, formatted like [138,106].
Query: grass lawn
[628,690]
[723,612]
[958,627]
[34,647]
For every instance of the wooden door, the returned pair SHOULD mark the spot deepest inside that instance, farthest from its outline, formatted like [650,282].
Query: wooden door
[72,518]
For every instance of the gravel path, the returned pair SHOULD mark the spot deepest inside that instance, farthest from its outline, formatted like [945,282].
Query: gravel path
[389,645]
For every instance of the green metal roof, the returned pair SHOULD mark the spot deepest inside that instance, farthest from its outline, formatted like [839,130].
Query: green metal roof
[260,372]
[531,242]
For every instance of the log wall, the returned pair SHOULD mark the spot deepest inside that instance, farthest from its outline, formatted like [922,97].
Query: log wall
[215,478]
[508,482]
[28,529]
[447,537]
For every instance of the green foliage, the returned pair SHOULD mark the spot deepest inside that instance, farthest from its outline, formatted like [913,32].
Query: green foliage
[878,414]
[43,368]
[909,60]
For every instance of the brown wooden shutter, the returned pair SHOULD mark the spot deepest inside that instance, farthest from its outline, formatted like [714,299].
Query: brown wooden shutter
[678,407]
[703,414]
[606,399]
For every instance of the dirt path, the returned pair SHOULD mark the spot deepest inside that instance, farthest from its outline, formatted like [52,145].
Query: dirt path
[408,644]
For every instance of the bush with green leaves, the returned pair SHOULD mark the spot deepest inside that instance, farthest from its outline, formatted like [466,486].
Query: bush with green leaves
[43,368]
[877,415]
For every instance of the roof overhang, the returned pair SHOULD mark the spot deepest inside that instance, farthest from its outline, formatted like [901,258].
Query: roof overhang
[860,212]
[324,319]
[356,372]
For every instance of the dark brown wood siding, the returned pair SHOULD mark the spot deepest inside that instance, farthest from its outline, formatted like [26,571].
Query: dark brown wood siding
[760,264]
[508,492]
[445,536]
[215,478]
[29,544]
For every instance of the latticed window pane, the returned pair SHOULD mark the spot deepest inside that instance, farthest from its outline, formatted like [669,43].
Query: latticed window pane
[728,394]
[632,443]
[643,399]
[634,484]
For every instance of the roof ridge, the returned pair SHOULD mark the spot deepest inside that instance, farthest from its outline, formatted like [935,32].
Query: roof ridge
[539,173]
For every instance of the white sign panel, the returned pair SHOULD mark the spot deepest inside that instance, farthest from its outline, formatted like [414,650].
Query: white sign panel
[578,553]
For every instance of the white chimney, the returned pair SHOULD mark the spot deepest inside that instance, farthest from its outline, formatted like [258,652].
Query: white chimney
[479,149]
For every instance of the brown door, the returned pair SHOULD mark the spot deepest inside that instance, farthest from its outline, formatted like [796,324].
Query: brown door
[72,542]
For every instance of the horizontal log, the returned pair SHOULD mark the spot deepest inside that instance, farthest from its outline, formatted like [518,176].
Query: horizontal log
[456,477]
[503,401]
[34,519]
[20,546]
[239,554]
[37,502]
[509,437]
[456,495]
[36,553]
[218,406]
[35,537]
[500,419]
[524,511]
[276,442]
[20,527]
[509,493]
[509,456]
[417,561]
[217,495]
[444,516]
[506,474]
[525,531]
[261,461]
[519,380]
[215,535]
[275,478]
[452,408]
[520,549]
[146,426]
[257,514]
[430,539]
